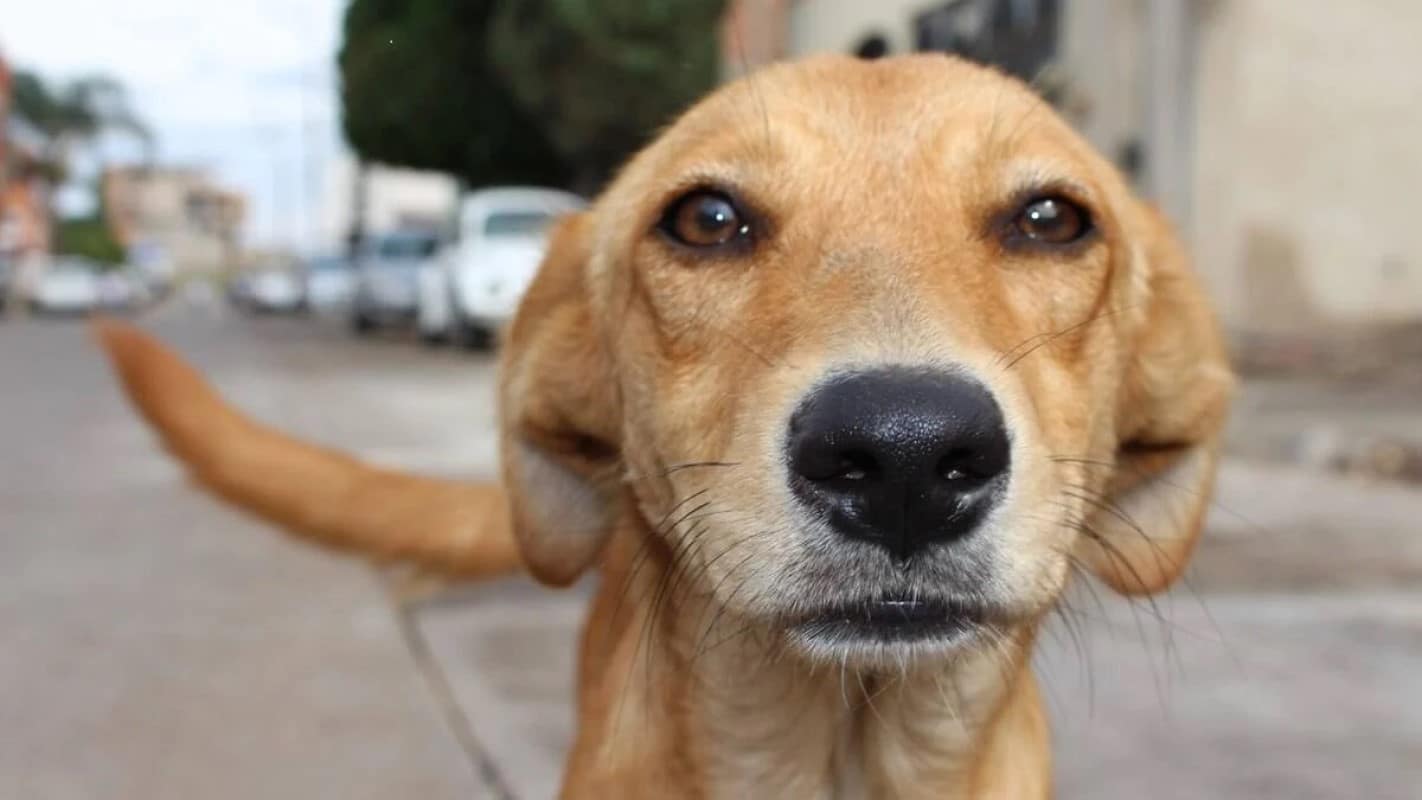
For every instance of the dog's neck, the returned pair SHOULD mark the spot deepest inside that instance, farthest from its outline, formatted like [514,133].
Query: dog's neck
[678,699]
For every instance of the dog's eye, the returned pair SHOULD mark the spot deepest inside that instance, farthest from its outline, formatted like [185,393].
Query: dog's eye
[1052,221]
[704,219]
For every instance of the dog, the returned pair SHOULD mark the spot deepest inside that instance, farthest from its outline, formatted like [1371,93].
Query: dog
[838,384]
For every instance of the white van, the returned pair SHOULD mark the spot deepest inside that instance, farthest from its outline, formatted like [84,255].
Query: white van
[469,293]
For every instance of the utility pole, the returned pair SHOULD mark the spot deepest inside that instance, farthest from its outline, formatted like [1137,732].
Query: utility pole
[275,151]
[301,219]
[359,200]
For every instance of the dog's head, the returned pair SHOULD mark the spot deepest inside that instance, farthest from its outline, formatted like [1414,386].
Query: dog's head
[879,351]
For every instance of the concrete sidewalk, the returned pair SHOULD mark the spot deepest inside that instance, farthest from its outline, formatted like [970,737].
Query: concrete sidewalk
[1286,666]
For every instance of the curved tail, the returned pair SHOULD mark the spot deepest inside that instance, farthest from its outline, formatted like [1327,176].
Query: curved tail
[447,526]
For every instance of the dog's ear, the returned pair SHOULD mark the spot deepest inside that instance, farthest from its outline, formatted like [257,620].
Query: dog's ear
[1173,407]
[559,417]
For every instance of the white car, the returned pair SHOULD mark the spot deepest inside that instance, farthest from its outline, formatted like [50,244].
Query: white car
[271,289]
[469,293]
[387,279]
[67,286]
[330,284]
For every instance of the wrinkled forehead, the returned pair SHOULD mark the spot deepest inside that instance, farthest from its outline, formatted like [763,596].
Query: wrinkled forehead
[813,126]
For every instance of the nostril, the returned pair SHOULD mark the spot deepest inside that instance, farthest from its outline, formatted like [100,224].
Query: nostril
[963,465]
[827,465]
[954,474]
[856,465]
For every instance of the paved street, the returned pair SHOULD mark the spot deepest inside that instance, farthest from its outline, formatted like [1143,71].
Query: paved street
[157,645]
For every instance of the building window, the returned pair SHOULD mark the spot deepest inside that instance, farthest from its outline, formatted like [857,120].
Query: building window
[1017,36]
[872,46]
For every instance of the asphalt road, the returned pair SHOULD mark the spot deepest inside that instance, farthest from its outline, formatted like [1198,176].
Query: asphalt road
[154,644]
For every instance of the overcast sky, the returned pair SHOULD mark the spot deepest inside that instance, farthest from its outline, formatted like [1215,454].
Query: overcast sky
[245,87]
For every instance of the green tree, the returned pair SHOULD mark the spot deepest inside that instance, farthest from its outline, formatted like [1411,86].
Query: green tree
[88,237]
[417,91]
[75,114]
[602,75]
[71,116]
[553,92]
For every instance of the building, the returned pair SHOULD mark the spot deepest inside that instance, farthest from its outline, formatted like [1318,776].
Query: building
[1279,136]
[24,212]
[173,218]
[25,229]
[378,199]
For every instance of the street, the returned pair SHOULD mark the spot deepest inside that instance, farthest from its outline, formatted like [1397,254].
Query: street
[158,645]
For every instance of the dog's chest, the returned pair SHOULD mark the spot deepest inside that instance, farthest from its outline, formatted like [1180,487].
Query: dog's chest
[768,743]
[827,743]
[847,769]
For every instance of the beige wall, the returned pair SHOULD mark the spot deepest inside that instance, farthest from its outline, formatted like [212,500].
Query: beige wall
[1101,56]
[1307,197]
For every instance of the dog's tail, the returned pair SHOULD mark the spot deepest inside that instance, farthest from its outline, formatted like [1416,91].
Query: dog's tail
[446,526]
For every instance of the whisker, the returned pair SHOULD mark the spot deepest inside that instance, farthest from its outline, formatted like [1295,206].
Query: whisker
[644,551]
[1211,501]
[763,358]
[723,605]
[1043,339]
[675,468]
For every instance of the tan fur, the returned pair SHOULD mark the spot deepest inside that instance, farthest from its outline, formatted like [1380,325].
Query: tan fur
[328,497]
[644,393]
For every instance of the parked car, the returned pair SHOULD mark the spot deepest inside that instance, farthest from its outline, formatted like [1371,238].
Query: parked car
[387,278]
[7,281]
[118,291]
[273,288]
[330,284]
[471,291]
[153,281]
[69,285]
[238,290]
[147,289]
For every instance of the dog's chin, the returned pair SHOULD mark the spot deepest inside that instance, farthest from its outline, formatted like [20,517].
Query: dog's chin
[889,632]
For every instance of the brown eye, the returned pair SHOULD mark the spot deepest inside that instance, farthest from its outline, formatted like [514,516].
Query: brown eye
[704,219]
[1052,220]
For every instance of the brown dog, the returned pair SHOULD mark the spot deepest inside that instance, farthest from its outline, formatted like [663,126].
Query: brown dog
[836,384]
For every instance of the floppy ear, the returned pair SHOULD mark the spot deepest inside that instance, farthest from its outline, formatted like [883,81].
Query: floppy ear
[559,416]
[1174,403]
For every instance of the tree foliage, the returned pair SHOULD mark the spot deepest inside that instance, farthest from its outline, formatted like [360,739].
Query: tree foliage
[416,91]
[74,113]
[88,237]
[602,75]
[520,91]
[68,116]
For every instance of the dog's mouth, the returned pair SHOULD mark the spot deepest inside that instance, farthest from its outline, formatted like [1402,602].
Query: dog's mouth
[889,620]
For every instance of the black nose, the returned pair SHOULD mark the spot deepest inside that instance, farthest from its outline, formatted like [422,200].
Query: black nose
[901,457]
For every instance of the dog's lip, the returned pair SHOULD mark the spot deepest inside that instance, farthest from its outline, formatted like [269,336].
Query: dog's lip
[891,618]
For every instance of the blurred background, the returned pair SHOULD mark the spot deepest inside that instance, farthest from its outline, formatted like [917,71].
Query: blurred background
[333,207]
